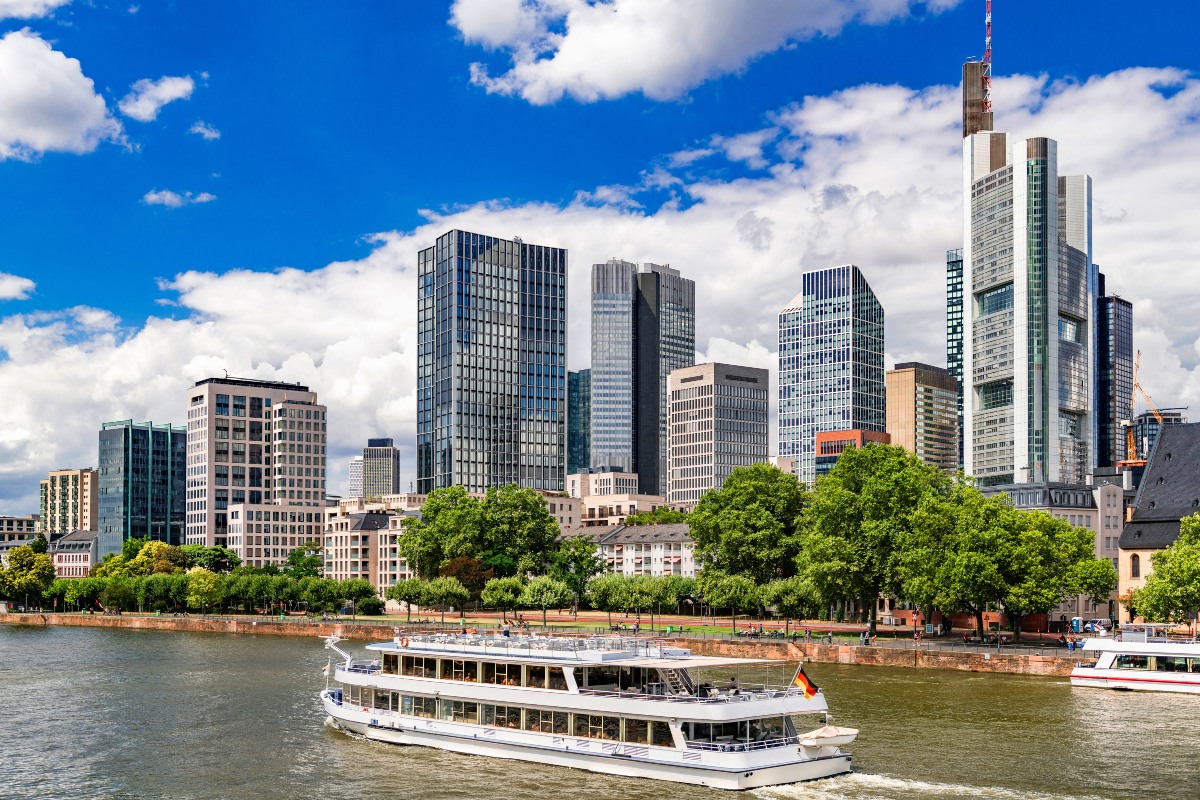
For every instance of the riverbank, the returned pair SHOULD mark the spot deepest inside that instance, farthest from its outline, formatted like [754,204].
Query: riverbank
[916,658]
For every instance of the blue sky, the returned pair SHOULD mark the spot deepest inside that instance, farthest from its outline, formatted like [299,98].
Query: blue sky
[350,134]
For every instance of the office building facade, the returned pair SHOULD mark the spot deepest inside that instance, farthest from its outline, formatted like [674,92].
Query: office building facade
[1114,374]
[1146,428]
[579,421]
[68,499]
[380,468]
[830,445]
[831,374]
[718,418]
[491,364]
[256,453]
[142,483]
[354,486]
[643,327]
[922,413]
[954,332]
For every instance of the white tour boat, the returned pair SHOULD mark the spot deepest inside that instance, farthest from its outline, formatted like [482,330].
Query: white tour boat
[1142,658]
[615,705]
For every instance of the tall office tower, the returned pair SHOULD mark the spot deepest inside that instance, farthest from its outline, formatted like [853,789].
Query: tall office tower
[142,483]
[954,329]
[579,421]
[259,445]
[68,501]
[355,484]
[643,327]
[491,364]
[1146,427]
[380,468]
[718,420]
[1114,374]
[830,363]
[922,413]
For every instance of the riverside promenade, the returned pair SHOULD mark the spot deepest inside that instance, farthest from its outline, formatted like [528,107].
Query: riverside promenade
[931,654]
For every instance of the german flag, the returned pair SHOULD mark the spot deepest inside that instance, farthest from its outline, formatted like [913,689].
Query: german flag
[803,681]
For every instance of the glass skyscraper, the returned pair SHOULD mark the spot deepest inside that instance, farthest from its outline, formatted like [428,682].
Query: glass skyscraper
[831,375]
[954,331]
[141,483]
[643,327]
[1114,374]
[579,421]
[491,364]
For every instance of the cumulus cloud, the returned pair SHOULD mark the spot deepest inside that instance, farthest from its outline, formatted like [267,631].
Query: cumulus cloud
[28,9]
[602,50]
[47,104]
[170,199]
[146,97]
[14,287]
[839,187]
[203,129]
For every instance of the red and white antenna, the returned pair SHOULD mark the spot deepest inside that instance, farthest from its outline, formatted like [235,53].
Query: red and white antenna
[987,57]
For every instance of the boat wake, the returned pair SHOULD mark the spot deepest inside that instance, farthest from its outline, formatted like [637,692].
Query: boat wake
[865,786]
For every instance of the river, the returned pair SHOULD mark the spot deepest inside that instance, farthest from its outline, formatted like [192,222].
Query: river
[139,714]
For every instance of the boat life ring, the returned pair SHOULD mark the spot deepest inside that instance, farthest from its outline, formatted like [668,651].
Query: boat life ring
[404,642]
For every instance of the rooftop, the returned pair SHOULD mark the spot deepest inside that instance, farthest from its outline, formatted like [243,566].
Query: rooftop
[1169,491]
[257,384]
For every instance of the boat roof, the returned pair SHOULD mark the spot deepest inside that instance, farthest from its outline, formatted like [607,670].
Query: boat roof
[1177,648]
[623,650]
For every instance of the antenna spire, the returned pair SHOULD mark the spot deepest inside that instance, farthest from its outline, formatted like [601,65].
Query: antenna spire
[987,57]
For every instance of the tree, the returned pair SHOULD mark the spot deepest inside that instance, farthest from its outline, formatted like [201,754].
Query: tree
[858,518]
[1172,590]
[120,593]
[305,561]
[545,592]
[39,544]
[217,559]
[447,591]
[449,527]
[155,557]
[204,588]
[576,562]
[84,591]
[680,588]
[28,573]
[355,590]
[409,591]
[644,593]
[609,592]
[503,593]
[748,526]
[792,597]
[519,530]
[470,572]
[57,591]
[659,516]
[132,546]
[729,591]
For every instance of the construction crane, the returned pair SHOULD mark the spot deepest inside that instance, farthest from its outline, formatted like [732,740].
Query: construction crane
[987,57]
[1132,457]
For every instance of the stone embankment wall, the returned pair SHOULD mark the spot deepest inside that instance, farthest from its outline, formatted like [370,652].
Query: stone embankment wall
[927,657]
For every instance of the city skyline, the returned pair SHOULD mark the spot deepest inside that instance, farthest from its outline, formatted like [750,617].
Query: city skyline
[773,188]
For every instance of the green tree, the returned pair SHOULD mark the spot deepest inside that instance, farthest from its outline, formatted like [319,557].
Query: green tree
[644,593]
[447,591]
[39,544]
[155,557]
[729,591]
[56,592]
[681,589]
[576,562]
[792,597]
[545,592]
[609,593]
[409,591]
[28,573]
[355,590]
[132,546]
[748,526]
[503,593]
[470,572]
[1172,590]
[120,593]
[519,530]
[84,592]
[156,591]
[305,561]
[217,559]
[659,516]
[449,526]
[204,588]
[858,519]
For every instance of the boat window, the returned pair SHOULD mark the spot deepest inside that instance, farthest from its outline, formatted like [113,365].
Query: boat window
[353,694]
[660,735]
[594,726]
[391,663]
[501,716]
[636,730]
[394,701]
[418,667]
[502,674]
[454,670]
[459,711]
[535,676]
[1131,662]
[716,731]
[422,706]
[1171,664]
[602,677]
[548,721]
[762,730]
[558,681]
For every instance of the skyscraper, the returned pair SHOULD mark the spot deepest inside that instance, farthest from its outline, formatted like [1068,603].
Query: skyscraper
[141,479]
[643,327]
[922,413]
[954,330]
[491,364]
[830,362]
[579,421]
[68,501]
[1114,374]
[380,468]
[354,486]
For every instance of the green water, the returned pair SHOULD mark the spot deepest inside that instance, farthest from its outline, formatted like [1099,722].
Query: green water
[132,714]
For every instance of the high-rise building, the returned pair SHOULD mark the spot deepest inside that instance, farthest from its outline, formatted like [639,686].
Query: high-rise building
[1114,374]
[954,331]
[922,413]
[141,483]
[718,418]
[579,421]
[831,444]
[1146,427]
[68,501]
[380,468]
[643,327]
[830,363]
[355,478]
[256,455]
[491,364]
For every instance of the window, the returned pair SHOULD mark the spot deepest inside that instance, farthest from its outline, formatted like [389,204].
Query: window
[503,674]
[548,721]
[1131,662]
[1135,566]
[594,726]
[502,716]
[459,711]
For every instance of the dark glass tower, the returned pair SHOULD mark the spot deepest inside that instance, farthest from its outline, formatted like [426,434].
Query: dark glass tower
[643,327]
[1114,374]
[142,470]
[579,420]
[954,331]
[491,364]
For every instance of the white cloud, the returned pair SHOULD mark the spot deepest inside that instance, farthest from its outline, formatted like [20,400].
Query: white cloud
[146,97]
[602,50]
[170,199]
[47,104]
[869,176]
[14,287]
[28,9]
[203,129]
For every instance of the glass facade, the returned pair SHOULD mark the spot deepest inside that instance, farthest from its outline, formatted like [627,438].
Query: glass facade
[1114,375]
[491,364]
[954,330]
[141,483]
[831,374]
[579,421]
[643,327]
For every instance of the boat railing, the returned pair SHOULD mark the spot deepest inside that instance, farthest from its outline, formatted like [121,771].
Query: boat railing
[549,646]
[742,695]
[363,667]
[736,746]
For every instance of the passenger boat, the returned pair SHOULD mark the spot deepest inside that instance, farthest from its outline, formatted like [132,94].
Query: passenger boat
[1142,658]
[616,705]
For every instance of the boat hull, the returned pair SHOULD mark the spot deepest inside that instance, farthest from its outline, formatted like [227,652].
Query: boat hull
[702,768]
[1130,680]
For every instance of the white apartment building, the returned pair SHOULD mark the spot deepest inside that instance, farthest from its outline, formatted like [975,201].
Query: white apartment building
[665,549]
[601,481]
[69,501]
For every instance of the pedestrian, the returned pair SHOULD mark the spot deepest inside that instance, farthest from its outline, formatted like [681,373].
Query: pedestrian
[830,635]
